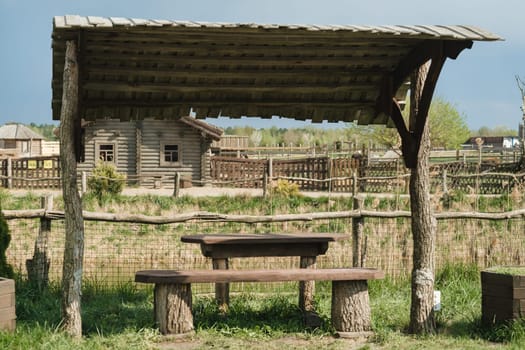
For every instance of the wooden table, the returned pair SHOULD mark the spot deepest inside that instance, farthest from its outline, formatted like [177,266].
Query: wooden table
[221,247]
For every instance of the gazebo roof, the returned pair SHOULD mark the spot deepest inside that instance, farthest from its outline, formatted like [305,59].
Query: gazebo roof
[134,68]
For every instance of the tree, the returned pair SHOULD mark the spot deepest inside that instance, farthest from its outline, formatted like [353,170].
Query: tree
[447,127]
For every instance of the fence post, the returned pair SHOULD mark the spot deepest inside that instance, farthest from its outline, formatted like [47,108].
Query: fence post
[354,184]
[358,226]
[9,173]
[329,173]
[38,267]
[176,185]
[270,169]
[84,182]
[445,188]
[265,184]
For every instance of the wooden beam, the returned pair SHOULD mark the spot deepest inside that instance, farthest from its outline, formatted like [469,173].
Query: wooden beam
[218,49]
[228,88]
[261,61]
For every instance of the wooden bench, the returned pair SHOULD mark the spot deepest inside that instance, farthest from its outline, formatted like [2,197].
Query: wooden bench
[173,298]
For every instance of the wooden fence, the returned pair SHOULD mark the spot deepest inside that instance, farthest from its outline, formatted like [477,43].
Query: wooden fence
[30,173]
[347,174]
[386,176]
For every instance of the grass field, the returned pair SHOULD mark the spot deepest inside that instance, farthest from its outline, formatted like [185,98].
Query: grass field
[120,317]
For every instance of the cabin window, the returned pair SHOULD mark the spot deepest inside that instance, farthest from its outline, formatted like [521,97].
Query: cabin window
[9,144]
[106,152]
[170,154]
[24,146]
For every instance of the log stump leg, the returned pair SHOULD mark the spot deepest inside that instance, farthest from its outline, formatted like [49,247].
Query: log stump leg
[307,288]
[306,295]
[222,290]
[351,308]
[172,308]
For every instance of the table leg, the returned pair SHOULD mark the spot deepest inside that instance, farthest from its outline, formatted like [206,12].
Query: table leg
[307,288]
[222,290]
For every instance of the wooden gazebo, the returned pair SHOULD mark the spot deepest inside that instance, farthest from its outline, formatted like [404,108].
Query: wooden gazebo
[135,69]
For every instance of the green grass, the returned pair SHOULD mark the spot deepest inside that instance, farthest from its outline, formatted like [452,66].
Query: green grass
[508,270]
[120,317]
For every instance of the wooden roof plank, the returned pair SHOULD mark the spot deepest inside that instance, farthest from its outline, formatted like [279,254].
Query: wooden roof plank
[121,22]
[101,22]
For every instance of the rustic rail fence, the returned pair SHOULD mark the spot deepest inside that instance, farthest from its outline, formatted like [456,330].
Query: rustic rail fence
[338,175]
[117,244]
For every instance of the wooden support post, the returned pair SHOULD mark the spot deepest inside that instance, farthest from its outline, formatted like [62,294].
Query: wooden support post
[38,266]
[172,308]
[351,314]
[9,173]
[222,290]
[358,228]
[73,220]
[176,185]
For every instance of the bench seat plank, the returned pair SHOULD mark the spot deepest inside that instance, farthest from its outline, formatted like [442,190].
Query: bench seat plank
[214,276]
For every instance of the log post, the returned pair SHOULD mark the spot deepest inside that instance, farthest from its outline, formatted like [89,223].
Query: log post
[423,222]
[84,183]
[38,266]
[307,288]
[265,184]
[73,220]
[351,314]
[9,173]
[358,229]
[222,290]
[176,185]
[270,169]
[445,187]
[172,308]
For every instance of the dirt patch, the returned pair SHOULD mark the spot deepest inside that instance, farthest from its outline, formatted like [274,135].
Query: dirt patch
[288,342]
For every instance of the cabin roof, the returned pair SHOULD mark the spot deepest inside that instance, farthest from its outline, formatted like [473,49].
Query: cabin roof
[14,131]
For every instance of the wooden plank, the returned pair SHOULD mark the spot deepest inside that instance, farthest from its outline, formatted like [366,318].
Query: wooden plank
[263,238]
[214,276]
[7,313]
[263,249]
[7,300]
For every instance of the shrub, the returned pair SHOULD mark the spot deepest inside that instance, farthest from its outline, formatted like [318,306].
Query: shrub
[285,188]
[105,181]
[5,269]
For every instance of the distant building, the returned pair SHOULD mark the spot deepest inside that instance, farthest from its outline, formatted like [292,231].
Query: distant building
[17,140]
[495,143]
[150,148]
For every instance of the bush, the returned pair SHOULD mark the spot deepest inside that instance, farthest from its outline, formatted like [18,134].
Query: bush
[5,269]
[106,181]
[285,189]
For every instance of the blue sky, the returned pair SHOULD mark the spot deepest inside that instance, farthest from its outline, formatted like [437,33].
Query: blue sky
[480,83]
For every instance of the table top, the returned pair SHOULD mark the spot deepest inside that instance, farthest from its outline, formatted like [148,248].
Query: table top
[270,238]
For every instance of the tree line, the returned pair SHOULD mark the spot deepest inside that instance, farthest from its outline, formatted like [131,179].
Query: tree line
[448,130]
